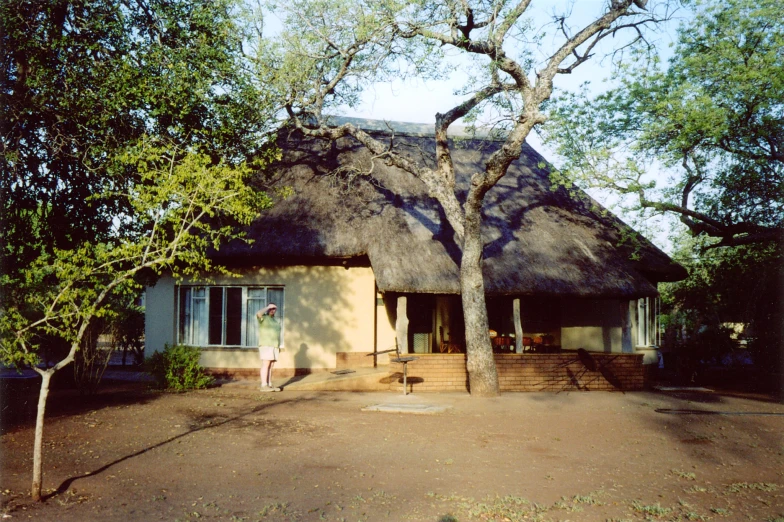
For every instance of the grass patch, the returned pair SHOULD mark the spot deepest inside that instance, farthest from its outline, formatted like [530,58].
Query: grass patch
[503,508]
[683,474]
[655,510]
[738,487]
[277,509]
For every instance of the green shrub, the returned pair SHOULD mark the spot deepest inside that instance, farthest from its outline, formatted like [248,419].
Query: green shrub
[177,368]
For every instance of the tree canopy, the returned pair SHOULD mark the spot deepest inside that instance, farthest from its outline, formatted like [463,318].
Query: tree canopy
[81,80]
[712,119]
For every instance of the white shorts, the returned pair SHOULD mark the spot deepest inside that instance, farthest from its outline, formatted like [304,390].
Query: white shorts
[268,353]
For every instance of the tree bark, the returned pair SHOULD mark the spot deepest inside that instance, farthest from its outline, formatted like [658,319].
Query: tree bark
[781,361]
[39,435]
[480,364]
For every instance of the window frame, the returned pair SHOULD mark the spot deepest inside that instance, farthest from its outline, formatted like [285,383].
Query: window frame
[185,322]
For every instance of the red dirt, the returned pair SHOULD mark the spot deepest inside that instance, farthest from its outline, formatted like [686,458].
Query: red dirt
[237,454]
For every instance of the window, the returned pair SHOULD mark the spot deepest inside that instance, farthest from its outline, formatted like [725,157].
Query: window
[648,332]
[223,315]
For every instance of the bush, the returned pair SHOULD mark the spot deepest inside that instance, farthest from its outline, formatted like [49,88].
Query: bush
[177,368]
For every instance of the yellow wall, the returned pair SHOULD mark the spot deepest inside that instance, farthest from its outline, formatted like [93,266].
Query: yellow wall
[385,330]
[326,310]
[592,324]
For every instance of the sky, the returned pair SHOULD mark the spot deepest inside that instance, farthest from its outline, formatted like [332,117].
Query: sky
[418,101]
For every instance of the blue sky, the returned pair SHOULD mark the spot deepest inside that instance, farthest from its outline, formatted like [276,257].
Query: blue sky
[418,101]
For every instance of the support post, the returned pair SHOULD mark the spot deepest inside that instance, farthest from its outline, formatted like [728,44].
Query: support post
[518,325]
[401,325]
[626,326]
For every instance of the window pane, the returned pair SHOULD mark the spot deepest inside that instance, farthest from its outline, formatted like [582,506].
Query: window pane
[233,316]
[199,319]
[216,315]
[275,295]
[257,299]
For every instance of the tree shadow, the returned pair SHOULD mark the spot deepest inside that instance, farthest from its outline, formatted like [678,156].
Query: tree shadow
[19,409]
[203,423]
[725,423]
[591,370]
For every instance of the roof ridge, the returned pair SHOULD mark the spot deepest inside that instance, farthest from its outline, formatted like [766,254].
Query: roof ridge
[418,129]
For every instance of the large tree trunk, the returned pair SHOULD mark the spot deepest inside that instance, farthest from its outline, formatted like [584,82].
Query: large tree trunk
[482,373]
[39,435]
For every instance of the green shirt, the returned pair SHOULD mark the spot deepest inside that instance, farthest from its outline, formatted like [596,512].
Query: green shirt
[269,331]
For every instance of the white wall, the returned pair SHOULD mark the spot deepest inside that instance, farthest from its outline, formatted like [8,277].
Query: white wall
[159,321]
[326,310]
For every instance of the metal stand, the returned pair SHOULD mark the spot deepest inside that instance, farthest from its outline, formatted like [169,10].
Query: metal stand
[404,361]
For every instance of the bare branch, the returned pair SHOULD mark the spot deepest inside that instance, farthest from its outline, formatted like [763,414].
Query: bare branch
[508,21]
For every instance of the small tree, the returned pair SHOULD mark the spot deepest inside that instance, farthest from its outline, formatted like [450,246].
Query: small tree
[91,359]
[182,205]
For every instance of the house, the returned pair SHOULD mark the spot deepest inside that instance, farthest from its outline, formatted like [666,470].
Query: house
[351,256]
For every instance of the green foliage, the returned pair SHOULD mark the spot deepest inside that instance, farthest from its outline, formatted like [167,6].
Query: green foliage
[177,368]
[712,120]
[735,285]
[127,331]
[182,206]
[81,81]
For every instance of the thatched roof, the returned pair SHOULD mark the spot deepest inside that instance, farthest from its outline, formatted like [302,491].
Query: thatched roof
[539,240]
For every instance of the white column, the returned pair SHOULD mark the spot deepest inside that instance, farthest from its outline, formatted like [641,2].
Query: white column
[401,325]
[518,326]
[626,326]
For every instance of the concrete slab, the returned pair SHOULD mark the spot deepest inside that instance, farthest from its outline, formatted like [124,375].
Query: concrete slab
[421,409]
[358,380]
[682,388]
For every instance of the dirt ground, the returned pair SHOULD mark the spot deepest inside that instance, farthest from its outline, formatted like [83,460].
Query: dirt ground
[236,454]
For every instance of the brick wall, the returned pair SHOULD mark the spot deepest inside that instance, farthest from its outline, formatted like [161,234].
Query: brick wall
[579,370]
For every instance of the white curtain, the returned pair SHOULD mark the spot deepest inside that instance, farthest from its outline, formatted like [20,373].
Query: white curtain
[257,299]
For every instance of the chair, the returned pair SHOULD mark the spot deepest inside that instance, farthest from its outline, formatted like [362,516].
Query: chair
[528,343]
[445,346]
